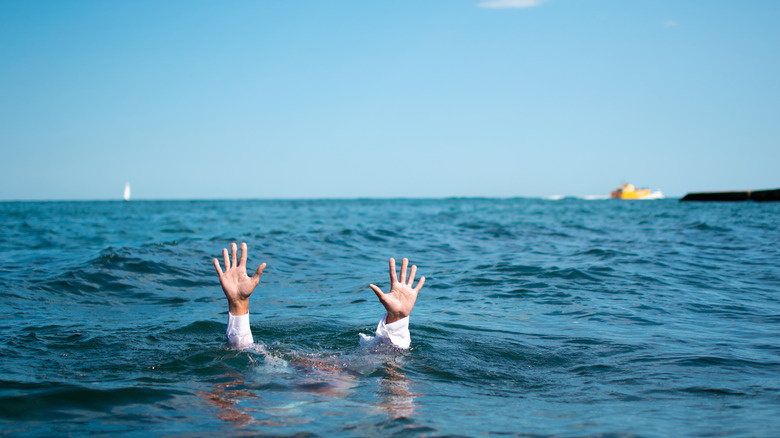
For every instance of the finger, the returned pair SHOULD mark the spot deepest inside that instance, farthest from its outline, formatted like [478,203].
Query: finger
[227,259]
[404,264]
[393,278]
[377,291]
[243,254]
[419,285]
[411,275]
[234,252]
[217,267]
[258,273]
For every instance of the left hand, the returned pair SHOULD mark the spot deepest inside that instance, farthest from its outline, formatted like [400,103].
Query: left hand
[236,284]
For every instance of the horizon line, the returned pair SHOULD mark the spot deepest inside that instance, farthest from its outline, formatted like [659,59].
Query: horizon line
[360,198]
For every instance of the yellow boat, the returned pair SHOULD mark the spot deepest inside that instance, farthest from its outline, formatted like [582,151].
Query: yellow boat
[628,191]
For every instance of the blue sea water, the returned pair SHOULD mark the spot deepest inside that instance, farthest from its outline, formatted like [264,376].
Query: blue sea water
[538,318]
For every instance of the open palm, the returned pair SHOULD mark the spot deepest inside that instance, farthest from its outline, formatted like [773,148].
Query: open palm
[402,296]
[236,284]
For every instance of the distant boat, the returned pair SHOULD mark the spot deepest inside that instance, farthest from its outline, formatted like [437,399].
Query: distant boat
[127,192]
[627,191]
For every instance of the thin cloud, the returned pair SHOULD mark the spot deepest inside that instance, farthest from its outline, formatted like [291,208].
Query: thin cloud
[671,23]
[507,4]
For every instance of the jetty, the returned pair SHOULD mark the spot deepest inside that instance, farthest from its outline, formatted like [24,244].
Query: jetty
[750,195]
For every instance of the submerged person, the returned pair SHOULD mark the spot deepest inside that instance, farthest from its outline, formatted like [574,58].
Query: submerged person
[238,286]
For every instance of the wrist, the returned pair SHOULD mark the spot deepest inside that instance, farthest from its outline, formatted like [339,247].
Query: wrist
[395,316]
[238,307]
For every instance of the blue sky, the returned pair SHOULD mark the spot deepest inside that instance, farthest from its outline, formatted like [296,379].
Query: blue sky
[423,98]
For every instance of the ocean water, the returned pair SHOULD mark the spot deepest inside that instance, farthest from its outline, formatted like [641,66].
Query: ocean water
[538,318]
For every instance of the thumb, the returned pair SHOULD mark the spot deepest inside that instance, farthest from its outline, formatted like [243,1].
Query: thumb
[258,273]
[378,292]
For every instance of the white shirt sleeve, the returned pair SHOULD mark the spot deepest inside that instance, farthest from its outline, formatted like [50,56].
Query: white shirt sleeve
[396,333]
[239,334]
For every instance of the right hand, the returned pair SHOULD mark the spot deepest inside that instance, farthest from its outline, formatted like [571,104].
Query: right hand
[401,298]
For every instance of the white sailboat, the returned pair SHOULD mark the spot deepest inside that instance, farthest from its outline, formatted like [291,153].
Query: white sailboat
[127,191]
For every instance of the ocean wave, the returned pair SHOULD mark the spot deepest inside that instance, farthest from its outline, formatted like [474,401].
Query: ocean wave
[532,309]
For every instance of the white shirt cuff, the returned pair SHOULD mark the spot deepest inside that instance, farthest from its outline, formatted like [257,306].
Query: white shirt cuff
[397,332]
[239,334]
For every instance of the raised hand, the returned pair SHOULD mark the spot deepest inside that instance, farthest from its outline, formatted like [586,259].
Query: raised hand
[400,300]
[236,284]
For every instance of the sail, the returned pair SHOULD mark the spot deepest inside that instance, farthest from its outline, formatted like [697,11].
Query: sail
[127,192]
